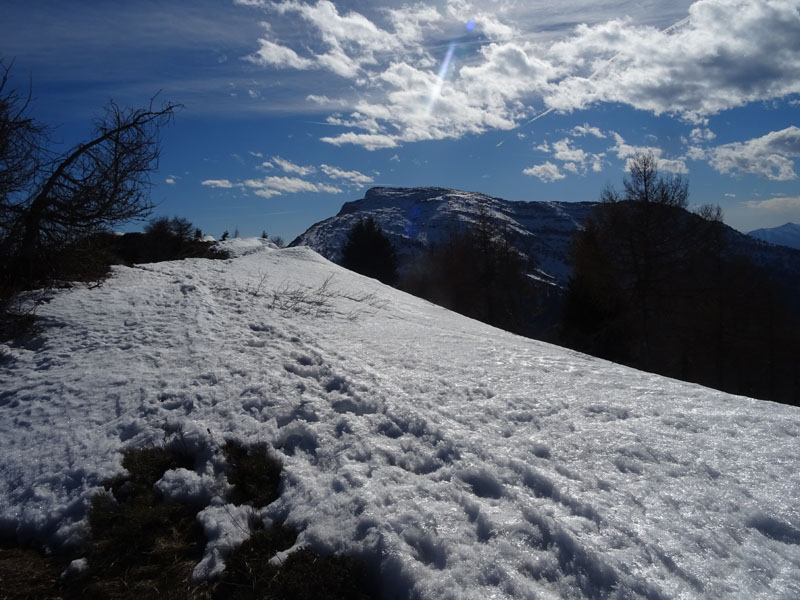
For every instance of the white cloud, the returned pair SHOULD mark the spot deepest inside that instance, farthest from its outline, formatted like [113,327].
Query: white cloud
[780,204]
[323,100]
[342,44]
[270,186]
[628,153]
[217,183]
[576,160]
[170,180]
[289,167]
[586,129]
[548,172]
[702,134]
[563,151]
[727,53]
[368,140]
[352,176]
[696,153]
[768,156]
[598,161]
[271,54]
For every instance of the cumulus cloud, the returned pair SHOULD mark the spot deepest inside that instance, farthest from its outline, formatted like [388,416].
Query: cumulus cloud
[547,172]
[769,156]
[573,160]
[352,176]
[727,53]
[170,180]
[406,86]
[586,129]
[702,134]
[563,151]
[343,44]
[627,152]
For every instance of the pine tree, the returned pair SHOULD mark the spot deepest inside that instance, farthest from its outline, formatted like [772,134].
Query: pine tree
[368,251]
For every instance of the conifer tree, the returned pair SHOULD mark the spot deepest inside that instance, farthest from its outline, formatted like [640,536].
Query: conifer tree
[368,251]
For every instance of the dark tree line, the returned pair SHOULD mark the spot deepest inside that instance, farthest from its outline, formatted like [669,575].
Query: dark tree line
[368,251]
[655,286]
[478,273]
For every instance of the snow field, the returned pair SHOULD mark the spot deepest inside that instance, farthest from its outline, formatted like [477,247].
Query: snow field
[456,459]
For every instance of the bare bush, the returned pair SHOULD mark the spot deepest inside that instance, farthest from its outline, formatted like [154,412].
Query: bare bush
[318,302]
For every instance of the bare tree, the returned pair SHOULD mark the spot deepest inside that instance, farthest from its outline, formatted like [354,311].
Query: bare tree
[22,142]
[644,184]
[51,201]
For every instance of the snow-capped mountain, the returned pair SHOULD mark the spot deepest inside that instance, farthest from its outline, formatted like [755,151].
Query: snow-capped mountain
[412,218]
[415,217]
[785,235]
[457,460]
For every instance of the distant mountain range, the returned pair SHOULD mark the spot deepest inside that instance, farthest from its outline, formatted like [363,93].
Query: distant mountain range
[413,218]
[785,235]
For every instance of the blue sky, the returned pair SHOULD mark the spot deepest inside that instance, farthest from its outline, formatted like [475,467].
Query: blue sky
[292,108]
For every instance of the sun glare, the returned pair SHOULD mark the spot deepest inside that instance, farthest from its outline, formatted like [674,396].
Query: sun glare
[443,70]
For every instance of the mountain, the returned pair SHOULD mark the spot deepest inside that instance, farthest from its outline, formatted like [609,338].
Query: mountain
[456,460]
[413,218]
[785,235]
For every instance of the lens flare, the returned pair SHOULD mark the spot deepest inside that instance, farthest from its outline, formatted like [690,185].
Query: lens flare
[470,25]
[437,88]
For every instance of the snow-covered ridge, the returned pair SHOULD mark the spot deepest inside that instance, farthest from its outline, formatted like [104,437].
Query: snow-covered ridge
[458,460]
[416,217]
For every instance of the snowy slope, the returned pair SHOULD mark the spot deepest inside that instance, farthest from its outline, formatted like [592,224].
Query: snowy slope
[785,235]
[461,461]
[413,218]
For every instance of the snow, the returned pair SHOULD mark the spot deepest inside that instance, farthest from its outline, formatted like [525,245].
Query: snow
[414,218]
[458,460]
